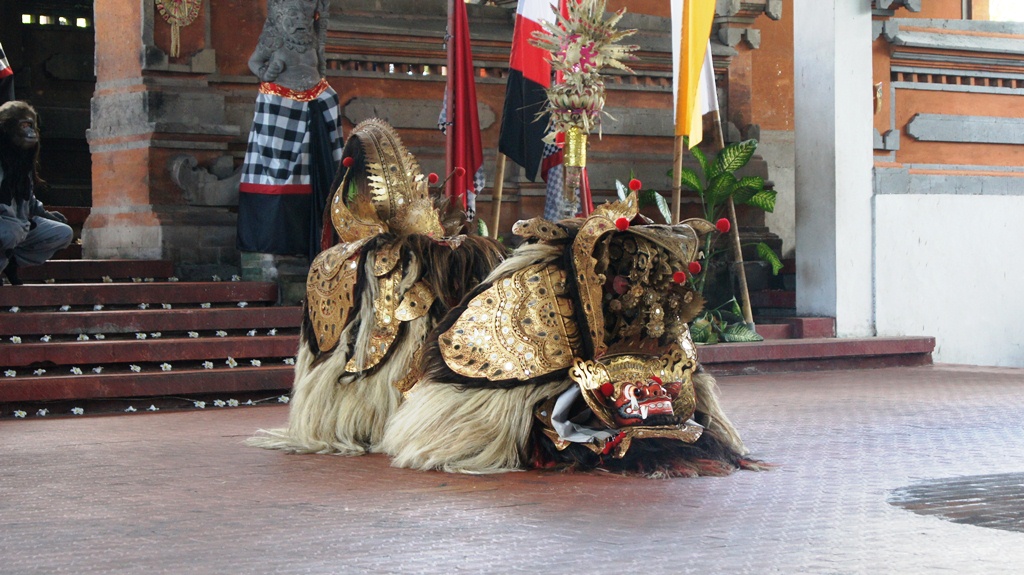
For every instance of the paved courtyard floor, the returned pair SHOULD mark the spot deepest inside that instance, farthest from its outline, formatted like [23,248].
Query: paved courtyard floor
[908,470]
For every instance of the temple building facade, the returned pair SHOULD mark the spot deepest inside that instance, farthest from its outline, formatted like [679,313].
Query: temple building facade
[890,129]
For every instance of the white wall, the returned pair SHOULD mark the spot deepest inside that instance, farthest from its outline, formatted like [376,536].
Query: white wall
[949,266]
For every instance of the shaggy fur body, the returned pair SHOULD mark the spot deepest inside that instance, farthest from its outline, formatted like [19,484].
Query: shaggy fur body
[461,430]
[334,411]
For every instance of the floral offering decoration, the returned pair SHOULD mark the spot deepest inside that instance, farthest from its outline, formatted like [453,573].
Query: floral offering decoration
[581,45]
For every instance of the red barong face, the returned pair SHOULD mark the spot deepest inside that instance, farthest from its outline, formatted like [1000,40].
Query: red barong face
[643,402]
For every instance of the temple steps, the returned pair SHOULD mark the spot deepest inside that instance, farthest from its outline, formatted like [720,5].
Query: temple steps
[170,350]
[148,294]
[186,385]
[816,354]
[86,330]
[93,271]
[150,340]
[153,320]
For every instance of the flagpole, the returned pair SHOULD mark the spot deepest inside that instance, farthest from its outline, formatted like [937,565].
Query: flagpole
[499,187]
[677,180]
[734,232]
[449,144]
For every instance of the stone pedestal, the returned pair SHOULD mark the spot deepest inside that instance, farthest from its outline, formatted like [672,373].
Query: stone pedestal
[288,271]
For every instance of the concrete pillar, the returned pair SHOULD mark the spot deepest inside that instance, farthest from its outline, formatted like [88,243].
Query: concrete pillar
[833,120]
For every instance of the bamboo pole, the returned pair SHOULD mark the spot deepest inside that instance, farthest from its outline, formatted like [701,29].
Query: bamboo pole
[677,179]
[734,232]
[499,187]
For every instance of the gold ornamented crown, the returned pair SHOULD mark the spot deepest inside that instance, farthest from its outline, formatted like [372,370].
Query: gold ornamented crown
[384,189]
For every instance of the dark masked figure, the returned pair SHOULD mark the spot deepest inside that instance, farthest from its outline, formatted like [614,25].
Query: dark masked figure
[29,235]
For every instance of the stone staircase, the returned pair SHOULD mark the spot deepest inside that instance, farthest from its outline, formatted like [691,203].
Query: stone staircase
[115,335]
[89,331]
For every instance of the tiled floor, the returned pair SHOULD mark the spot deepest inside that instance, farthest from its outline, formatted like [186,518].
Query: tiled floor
[178,493]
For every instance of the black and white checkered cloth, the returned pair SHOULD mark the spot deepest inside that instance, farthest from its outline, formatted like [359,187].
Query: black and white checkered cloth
[278,150]
[556,207]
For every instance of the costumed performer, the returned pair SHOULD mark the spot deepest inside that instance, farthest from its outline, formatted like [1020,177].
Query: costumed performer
[398,268]
[573,354]
[29,234]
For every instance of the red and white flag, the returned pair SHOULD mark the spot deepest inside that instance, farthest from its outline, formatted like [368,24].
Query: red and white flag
[522,126]
[6,78]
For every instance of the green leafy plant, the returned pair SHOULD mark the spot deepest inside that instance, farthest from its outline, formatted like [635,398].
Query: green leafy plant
[722,325]
[715,182]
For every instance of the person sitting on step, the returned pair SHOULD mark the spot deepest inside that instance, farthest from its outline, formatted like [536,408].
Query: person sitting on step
[29,234]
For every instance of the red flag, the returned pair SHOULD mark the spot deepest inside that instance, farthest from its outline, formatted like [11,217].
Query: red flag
[464,148]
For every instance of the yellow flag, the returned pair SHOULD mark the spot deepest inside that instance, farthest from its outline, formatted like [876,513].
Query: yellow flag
[691,27]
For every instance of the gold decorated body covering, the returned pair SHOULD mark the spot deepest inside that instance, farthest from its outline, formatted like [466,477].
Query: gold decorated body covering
[330,289]
[527,324]
[519,327]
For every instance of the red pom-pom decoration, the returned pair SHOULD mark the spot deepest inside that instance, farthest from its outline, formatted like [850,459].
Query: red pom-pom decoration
[694,268]
[460,171]
[723,225]
[679,277]
[432,178]
[635,185]
[622,224]
[347,162]
[607,389]
[620,285]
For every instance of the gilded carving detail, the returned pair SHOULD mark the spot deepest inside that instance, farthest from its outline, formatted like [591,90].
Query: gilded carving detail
[330,286]
[348,225]
[385,324]
[519,328]
[538,228]
[589,281]
[415,303]
[386,258]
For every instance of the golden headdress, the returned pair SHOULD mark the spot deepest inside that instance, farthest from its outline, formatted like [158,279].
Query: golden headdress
[382,191]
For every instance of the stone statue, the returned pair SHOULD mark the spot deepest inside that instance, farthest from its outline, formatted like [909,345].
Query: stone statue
[295,142]
[290,51]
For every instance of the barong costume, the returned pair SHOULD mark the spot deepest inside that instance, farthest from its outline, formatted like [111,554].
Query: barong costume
[399,265]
